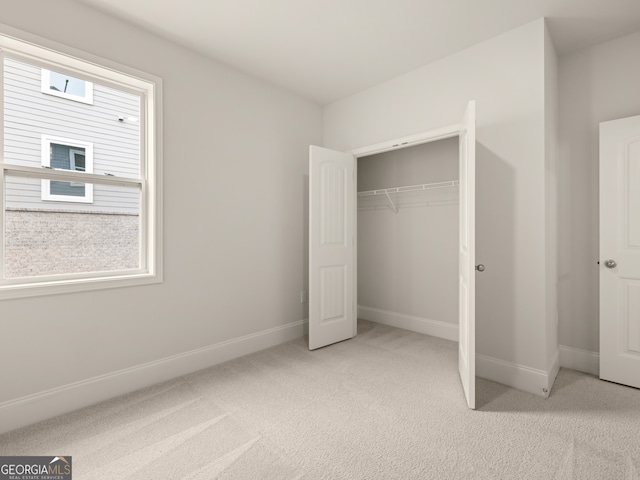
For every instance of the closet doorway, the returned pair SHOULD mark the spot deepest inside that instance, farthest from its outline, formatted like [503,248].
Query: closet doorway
[333,241]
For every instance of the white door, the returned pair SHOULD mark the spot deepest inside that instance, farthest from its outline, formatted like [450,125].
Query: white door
[332,309]
[467,256]
[620,251]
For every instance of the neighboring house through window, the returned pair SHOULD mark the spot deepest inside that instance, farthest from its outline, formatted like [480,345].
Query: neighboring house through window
[80,173]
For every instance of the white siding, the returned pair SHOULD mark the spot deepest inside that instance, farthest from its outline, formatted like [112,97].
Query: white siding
[29,114]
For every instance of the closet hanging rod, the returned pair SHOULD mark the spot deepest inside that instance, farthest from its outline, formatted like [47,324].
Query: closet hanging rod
[409,188]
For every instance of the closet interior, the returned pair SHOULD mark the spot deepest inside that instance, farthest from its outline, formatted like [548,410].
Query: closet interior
[407,235]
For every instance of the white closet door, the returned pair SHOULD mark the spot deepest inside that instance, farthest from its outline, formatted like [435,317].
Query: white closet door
[332,309]
[467,249]
[620,251]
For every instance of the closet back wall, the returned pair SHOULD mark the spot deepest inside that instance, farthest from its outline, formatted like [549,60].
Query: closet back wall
[407,262]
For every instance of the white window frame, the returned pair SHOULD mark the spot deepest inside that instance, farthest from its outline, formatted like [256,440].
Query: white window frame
[38,51]
[47,140]
[46,88]
[72,165]
[72,160]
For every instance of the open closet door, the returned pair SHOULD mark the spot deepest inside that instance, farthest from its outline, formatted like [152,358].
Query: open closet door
[332,310]
[467,287]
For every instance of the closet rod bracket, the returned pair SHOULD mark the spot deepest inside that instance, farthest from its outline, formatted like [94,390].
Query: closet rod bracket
[393,207]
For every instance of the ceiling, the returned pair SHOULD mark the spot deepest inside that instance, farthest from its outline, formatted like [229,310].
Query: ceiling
[328,49]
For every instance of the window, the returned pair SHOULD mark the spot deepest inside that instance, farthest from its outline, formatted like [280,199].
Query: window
[80,181]
[67,86]
[64,154]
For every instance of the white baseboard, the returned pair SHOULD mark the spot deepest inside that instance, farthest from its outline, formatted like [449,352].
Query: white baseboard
[435,328]
[581,360]
[514,375]
[56,401]
[511,374]
[50,403]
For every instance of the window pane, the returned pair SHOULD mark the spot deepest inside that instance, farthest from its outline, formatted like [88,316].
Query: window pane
[69,189]
[111,124]
[61,155]
[60,82]
[67,158]
[49,239]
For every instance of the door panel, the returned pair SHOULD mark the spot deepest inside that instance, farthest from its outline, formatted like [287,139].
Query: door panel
[630,314]
[332,293]
[332,311]
[620,241]
[467,257]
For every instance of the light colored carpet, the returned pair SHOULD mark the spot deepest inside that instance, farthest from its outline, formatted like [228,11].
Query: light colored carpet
[385,405]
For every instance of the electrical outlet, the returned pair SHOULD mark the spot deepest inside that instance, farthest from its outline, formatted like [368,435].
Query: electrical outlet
[303,296]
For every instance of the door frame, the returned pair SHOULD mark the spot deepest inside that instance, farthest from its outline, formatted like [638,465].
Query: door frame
[387,146]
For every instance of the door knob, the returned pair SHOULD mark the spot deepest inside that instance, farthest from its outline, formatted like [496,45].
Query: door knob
[480,267]
[610,263]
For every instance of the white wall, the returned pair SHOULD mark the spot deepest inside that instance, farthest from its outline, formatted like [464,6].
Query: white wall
[235,160]
[596,84]
[428,162]
[408,261]
[505,75]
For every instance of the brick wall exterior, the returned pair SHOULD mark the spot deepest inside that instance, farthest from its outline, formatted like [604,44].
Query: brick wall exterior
[51,242]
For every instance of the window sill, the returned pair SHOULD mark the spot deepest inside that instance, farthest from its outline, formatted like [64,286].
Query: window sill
[54,287]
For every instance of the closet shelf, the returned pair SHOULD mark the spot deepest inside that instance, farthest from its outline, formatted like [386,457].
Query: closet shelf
[409,188]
